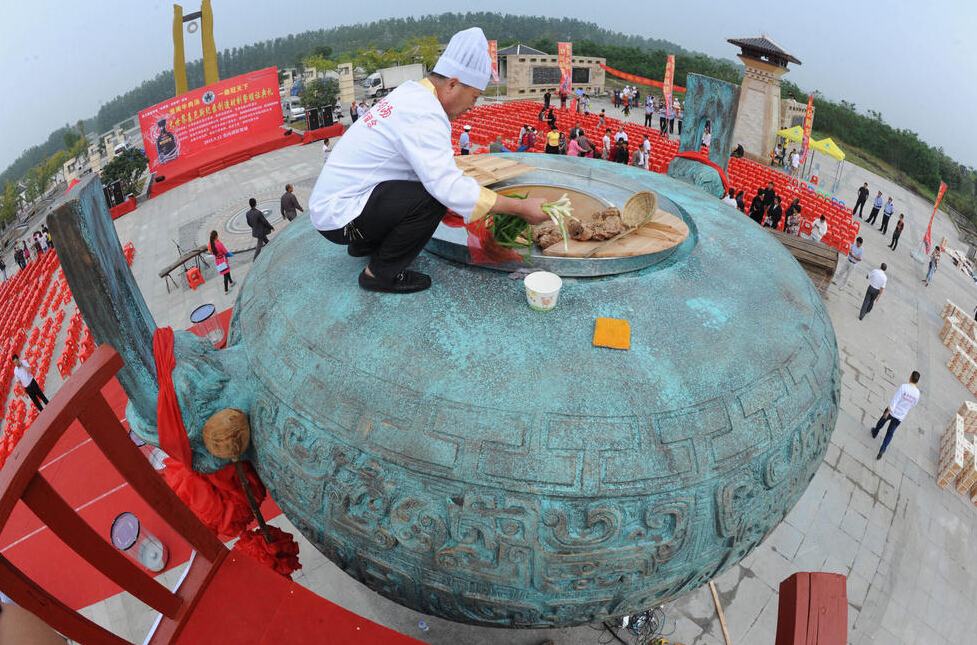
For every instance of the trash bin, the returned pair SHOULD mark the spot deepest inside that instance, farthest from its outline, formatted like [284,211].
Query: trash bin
[129,536]
[203,317]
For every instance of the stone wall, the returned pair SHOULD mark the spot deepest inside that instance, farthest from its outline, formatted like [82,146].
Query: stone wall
[519,75]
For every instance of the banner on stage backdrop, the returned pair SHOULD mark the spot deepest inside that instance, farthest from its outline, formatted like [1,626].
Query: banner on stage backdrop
[565,55]
[494,56]
[213,115]
[927,239]
[808,125]
[667,86]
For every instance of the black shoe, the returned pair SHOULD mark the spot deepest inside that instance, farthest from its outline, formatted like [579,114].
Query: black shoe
[357,251]
[878,456]
[404,282]
[875,433]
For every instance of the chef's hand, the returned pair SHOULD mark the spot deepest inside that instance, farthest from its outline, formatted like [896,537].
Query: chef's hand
[530,209]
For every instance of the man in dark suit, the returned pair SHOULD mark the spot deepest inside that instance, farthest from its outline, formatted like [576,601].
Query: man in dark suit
[260,228]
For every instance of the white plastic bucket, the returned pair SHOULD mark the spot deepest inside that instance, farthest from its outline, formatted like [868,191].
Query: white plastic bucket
[542,289]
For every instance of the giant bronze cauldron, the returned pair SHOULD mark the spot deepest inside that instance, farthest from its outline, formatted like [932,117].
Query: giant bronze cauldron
[471,458]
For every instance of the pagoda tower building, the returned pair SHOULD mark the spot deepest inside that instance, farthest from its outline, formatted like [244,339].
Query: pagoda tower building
[759,116]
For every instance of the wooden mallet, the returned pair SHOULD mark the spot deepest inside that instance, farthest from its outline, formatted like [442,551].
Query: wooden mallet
[226,436]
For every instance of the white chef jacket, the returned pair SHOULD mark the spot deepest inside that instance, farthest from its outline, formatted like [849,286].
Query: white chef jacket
[406,136]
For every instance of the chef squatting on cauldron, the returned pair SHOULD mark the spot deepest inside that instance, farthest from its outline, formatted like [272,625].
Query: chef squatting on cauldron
[390,178]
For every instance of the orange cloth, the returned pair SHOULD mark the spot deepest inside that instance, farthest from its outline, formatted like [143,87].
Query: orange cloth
[613,333]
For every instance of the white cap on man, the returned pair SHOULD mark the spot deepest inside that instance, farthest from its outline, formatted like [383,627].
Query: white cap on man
[468,127]
[466,58]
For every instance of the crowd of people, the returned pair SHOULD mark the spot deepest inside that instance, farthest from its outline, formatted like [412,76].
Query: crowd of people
[40,241]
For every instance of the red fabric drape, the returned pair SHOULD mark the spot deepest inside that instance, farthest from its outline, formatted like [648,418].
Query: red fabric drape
[482,246]
[281,554]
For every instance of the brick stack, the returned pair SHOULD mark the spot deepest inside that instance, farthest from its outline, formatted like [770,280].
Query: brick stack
[958,453]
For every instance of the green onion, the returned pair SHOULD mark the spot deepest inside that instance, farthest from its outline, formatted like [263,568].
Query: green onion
[515,232]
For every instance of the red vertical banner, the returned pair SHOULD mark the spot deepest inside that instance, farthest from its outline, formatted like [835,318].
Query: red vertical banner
[565,56]
[493,46]
[928,239]
[808,125]
[669,78]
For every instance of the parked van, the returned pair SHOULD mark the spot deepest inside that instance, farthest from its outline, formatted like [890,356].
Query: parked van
[292,109]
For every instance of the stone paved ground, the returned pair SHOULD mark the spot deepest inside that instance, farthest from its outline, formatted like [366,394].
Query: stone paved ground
[904,544]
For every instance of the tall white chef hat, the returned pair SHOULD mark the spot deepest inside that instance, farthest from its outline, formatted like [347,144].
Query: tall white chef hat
[466,58]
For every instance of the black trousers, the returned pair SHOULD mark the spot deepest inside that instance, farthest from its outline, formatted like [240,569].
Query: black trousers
[895,240]
[647,120]
[885,223]
[662,123]
[257,249]
[860,207]
[872,216]
[37,396]
[870,295]
[289,215]
[671,126]
[398,220]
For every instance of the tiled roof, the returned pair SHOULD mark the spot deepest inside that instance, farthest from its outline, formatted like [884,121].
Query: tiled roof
[764,44]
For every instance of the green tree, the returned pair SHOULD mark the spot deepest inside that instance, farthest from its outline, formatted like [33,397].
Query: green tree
[425,50]
[70,138]
[545,44]
[8,203]
[324,51]
[319,93]
[127,166]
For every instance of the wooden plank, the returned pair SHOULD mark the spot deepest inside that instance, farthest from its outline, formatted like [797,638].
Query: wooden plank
[719,611]
[661,233]
[488,169]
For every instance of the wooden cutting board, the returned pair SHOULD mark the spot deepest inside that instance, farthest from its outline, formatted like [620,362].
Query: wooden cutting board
[663,232]
[488,169]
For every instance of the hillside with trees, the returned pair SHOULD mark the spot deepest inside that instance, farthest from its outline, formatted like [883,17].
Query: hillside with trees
[400,40]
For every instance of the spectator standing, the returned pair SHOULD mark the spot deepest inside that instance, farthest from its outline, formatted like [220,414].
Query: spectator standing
[855,254]
[756,207]
[649,111]
[934,261]
[897,232]
[680,116]
[774,213]
[546,100]
[795,164]
[740,202]
[769,194]
[220,253]
[260,228]
[586,148]
[730,198]
[26,379]
[573,148]
[353,113]
[326,149]
[706,137]
[905,399]
[622,151]
[886,214]
[860,202]
[464,140]
[662,117]
[289,204]
[602,120]
[792,218]
[553,141]
[27,252]
[876,285]
[638,158]
[876,207]
[670,113]
[605,153]
[818,229]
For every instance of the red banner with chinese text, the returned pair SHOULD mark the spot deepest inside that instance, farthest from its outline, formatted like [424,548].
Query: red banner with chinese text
[493,46]
[928,239]
[565,55]
[213,115]
[808,125]
[640,80]
[669,80]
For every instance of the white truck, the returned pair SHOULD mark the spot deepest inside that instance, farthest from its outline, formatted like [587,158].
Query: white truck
[292,109]
[385,80]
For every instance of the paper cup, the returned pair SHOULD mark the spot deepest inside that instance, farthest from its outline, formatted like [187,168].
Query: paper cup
[542,288]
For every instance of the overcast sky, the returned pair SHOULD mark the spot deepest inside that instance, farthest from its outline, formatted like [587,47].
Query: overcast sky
[916,63]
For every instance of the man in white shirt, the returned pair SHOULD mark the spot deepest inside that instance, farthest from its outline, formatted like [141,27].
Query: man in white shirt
[605,154]
[464,140]
[876,285]
[818,229]
[621,134]
[388,181]
[905,399]
[855,255]
[26,379]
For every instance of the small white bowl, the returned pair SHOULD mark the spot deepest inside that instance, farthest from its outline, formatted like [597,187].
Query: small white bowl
[542,289]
